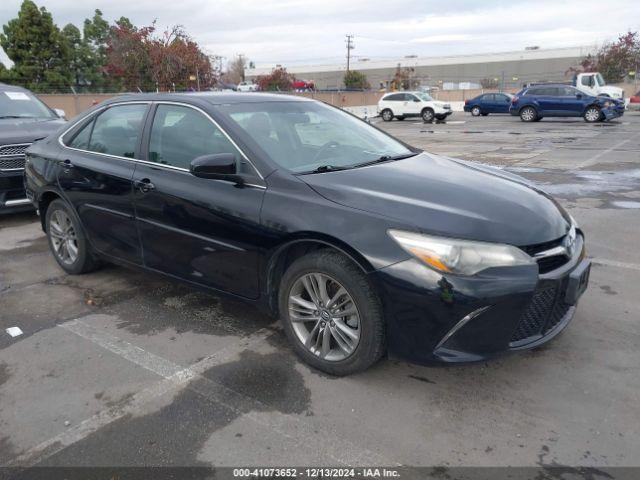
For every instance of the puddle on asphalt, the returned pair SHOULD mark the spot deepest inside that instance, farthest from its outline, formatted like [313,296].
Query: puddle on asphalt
[626,204]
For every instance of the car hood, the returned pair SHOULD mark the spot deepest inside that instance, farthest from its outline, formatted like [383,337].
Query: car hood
[447,197]
[27,130]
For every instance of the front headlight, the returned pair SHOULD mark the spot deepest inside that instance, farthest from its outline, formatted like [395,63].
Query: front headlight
[461,257]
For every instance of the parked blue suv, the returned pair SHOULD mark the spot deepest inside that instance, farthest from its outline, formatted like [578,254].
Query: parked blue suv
[559,100]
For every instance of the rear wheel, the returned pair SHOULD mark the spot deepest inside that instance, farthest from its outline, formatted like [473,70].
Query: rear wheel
[528,114]
[475,111]
[67,240]
[592,114]
[387,115]
[331,313]
[427,115]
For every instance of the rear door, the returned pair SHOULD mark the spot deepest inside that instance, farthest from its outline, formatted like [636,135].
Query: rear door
[95,175]
[202,230]
[487,104]
[502,103]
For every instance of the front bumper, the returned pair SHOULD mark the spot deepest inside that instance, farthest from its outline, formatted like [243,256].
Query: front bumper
[433,317]
[12,193]
[613,112]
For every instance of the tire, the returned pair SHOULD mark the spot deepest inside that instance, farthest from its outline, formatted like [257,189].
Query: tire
[528,114]
[592,114]
[387,115]
[475,111]
[333,270]
[427,115]
[63,227]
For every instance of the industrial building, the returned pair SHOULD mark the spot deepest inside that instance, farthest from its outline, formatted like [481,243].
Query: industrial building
[507,69]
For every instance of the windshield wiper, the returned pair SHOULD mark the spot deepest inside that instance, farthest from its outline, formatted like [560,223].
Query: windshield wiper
[385,158]
[13,116]
[327,168]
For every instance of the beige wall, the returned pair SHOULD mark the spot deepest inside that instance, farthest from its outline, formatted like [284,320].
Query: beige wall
[76,104]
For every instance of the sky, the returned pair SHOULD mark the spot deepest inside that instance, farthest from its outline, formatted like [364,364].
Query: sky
[291,32]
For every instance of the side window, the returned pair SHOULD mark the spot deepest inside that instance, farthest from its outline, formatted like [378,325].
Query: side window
[489,97]
[586,80]
[396,97]
[117,129]
[81,140]
[533,91]
[180,134]
[410,98]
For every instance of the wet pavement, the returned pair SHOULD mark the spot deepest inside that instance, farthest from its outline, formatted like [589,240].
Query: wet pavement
[120,367]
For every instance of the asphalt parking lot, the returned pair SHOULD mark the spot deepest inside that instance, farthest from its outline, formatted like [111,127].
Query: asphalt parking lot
[122,368]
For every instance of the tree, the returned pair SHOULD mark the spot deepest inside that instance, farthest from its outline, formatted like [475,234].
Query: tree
[235,70]
[96,33]
[403,79]
[127,55]
[614,60]
[356,80]
[278,80]
[37,48]
[81,60]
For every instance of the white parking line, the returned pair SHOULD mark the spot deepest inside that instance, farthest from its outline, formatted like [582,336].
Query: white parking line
[340,451]
[614,263]
[594,159]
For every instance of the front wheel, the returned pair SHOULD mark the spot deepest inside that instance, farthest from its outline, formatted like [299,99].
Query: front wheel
[331,313]
[592,114]
[427,115]
[67,240]
[387,115]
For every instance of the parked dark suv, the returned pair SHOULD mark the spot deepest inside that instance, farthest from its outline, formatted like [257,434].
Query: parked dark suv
[357,241]
[23,120]
[534,103]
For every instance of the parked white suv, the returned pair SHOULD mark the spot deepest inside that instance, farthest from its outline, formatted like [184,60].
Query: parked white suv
[412,104]
[247,87]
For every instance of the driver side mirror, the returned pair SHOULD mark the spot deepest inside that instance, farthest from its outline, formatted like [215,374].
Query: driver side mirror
[220,166]
[61,113]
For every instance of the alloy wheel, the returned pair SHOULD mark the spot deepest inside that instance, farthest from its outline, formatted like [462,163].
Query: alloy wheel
[592,114]
[63,237]
[427,115]
[475,111]
[387,116]
[324,316]
[528,114]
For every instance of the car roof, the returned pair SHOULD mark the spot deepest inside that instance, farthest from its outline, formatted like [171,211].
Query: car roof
[214,98]
[5,87]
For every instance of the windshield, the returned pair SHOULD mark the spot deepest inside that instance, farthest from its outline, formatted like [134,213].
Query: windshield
[425,96]
[303,136]
[19,104]
[600,80]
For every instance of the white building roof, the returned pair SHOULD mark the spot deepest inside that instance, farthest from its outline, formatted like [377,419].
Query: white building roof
[418,61]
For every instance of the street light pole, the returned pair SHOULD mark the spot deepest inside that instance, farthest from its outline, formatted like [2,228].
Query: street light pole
[350,46]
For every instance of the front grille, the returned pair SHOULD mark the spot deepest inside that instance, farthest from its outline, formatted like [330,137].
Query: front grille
[11,163]
[546,310]
[547,264]
[12,156]
[13,150]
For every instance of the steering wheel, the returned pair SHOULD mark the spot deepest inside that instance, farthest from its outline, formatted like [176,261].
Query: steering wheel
[323,149]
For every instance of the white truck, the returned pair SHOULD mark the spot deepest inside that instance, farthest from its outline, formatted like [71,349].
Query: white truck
[593,84]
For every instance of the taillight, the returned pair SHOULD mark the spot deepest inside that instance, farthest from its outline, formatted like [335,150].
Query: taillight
[514,100]
[466,102]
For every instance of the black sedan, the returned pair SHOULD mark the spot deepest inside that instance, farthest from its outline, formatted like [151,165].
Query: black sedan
[488,103]
[359,243]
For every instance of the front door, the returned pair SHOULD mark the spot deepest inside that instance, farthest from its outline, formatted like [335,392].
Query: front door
[95,174]
[202,230]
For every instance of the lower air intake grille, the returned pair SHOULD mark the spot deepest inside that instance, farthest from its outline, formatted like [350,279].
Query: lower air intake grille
[535,317]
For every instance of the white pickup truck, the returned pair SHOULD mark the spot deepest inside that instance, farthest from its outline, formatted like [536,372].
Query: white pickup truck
[593,84]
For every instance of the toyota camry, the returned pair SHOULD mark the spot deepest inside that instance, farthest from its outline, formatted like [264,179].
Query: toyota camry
[359,243]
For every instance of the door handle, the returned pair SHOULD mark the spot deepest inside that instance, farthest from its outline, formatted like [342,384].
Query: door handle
[144,185]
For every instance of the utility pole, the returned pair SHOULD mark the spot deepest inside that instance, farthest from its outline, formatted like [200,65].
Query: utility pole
[350,46]
[241,58]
